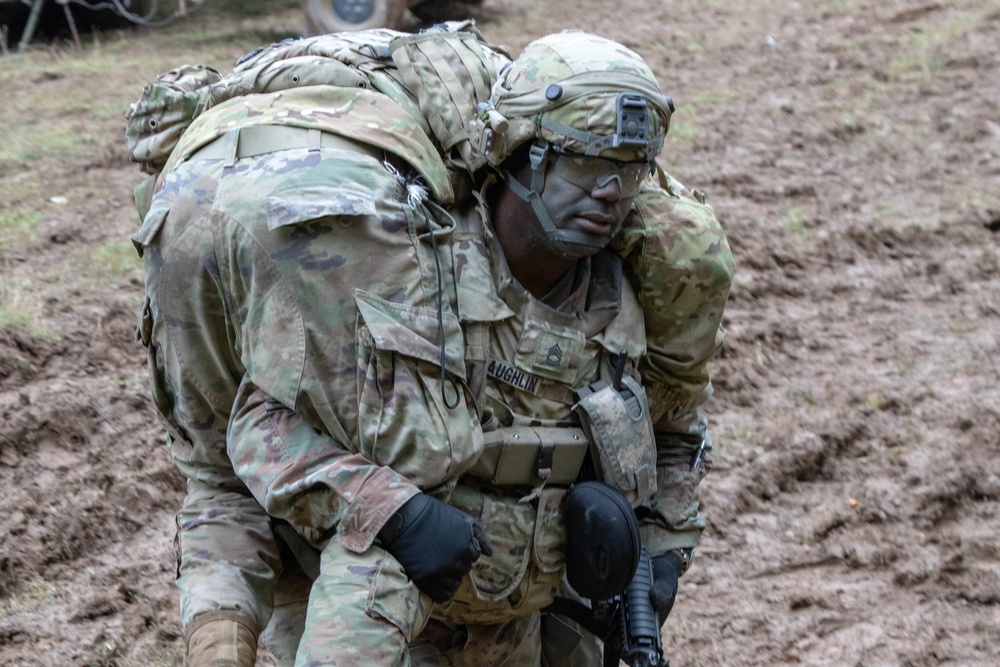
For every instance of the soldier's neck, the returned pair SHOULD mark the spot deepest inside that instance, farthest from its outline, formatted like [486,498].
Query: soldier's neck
[544,286]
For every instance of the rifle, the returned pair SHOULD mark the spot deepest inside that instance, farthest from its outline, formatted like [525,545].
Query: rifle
[635,626]
[627,623]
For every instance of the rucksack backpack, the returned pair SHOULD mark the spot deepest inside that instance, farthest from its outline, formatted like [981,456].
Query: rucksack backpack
[440,76]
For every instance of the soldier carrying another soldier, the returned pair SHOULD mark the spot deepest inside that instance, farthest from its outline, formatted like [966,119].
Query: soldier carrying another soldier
[421,308]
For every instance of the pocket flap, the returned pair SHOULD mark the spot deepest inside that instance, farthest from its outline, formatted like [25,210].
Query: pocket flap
[149,228]
[550,531]
[412,331]
[311,203]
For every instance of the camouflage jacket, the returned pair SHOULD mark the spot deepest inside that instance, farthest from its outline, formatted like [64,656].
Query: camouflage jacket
[302,287]
[394,408]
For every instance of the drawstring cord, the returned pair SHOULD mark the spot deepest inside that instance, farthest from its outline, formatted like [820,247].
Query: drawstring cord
[417,197]
[440,313]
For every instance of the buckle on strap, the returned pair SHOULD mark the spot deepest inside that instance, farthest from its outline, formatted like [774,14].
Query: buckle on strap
[537,153]
[538,156]
[543,462]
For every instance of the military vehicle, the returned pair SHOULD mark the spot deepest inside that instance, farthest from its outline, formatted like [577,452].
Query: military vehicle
[340,15]
[20,18]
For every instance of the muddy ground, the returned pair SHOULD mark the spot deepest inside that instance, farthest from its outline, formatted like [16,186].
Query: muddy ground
[852,151]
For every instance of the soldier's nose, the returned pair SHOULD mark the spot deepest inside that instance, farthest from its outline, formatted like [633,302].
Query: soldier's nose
[608,188]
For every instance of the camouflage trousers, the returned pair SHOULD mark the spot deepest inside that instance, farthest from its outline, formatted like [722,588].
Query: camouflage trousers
[363,610]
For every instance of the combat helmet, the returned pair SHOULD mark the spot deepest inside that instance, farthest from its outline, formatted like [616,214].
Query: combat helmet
[572,92]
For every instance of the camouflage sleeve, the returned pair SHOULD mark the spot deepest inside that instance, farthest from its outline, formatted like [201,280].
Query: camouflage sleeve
[227,557]
[304,476]
[677,520]
[682,266]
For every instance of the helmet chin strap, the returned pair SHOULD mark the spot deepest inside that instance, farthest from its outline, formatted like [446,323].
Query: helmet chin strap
[539,157]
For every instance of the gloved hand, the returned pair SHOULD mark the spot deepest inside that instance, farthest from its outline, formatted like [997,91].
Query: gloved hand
[435,543]
[667,570]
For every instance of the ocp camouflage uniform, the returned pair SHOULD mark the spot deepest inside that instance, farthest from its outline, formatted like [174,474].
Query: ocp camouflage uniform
[227,555]
[306,289]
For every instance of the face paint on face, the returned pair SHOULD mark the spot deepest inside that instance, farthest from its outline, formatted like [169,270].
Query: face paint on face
[572,204]
[591,195]
[595,172]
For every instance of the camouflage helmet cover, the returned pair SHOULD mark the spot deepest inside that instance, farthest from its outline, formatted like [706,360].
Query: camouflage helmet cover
[567,89]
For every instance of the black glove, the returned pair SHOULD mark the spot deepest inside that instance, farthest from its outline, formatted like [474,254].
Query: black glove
[435,543]
[667,569]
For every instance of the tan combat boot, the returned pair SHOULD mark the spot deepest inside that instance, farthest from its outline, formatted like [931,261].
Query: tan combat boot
[222,639]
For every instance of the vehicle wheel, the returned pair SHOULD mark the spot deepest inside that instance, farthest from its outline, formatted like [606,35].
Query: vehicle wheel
[323,16]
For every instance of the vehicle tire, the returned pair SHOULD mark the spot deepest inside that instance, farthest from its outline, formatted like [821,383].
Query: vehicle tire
[323,16]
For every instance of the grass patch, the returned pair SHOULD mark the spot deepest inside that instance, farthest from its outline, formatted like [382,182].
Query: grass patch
[931,44]
[714,97]
[794,221]
[802,397]
[964,327]
[29,596]
[961,199]
[738,442]
[798,226]
[855,52]
[18,310]
[252,7]
[69,139]
[215,43]
[684,130]
[41,129]
[847,127]
[836,8]
[17,228]
[697,45]
[112,264]
[107,655]
[685,125]
[163,658]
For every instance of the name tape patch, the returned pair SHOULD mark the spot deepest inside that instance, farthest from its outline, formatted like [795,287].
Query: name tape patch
[507,374]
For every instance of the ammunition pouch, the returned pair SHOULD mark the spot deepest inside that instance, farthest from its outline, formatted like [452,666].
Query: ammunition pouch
[530,455]
[602,540]
[620,430]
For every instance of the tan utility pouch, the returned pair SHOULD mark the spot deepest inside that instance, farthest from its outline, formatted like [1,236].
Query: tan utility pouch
[620,430]
[528,455]
[529,556]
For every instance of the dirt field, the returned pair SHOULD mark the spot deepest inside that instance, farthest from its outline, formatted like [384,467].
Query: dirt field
[852,151]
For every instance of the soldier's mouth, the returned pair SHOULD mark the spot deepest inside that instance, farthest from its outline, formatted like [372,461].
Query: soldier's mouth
[595,223]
